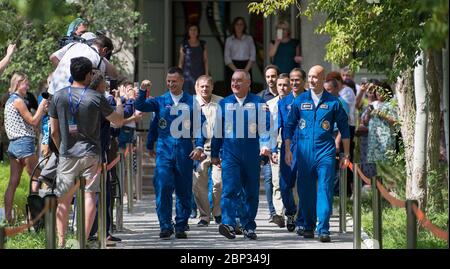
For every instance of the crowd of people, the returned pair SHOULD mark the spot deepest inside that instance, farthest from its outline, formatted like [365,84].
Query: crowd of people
[210,150]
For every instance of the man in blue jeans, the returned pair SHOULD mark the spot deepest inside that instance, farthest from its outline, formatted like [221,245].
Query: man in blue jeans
[272,189]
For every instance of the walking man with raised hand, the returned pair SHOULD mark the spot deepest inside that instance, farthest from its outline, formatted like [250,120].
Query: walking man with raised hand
[174,151]
[312,117]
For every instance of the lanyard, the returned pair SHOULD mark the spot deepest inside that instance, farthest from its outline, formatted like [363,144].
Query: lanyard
[73,109]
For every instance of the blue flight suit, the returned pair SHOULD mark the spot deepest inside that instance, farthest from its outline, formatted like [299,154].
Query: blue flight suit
[240,143]
[316,151]
[173,165]
[288,174]
[152,135]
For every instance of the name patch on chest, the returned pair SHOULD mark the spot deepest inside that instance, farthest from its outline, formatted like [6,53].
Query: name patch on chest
[306,106]
[249,106]
[324,106]
[230,107]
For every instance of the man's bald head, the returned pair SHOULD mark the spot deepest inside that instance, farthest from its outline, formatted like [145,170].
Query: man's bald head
[316,77]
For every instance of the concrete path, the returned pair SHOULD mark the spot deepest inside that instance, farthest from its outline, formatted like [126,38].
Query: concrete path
[141,230]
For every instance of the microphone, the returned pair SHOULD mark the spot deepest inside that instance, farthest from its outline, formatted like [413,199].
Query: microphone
[45,95]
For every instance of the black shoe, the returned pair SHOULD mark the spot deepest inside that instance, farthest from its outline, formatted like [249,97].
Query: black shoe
[202,223]
[92,238]
[250,234]
[218,219]
[187,228]
[165,234]
[227,231]
[181,235]
[290,223]
[300,230]
[271,218]
[114,239]
[324,238]
[278,220]
[308,234]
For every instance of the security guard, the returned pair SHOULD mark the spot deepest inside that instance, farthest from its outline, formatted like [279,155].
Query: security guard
[245,137]
[312,116]
[288,174]
[175,111]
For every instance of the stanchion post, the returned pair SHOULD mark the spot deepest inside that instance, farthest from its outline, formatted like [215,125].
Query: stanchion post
[102,209]
[50,221]
[377,212]
[81,214]
[119,205]
[139,151]
[356,208]
[130,193]
[2,237]
[342,200]
[411,225]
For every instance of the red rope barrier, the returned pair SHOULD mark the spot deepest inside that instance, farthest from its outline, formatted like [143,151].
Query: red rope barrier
[423,221]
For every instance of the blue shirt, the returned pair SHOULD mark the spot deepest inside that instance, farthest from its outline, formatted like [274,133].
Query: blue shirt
[44,125]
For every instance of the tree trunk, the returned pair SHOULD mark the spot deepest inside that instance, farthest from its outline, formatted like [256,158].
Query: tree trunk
[434,88]
[418,186]
[404,91]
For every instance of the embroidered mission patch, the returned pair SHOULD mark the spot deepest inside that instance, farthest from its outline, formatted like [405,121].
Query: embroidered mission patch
[326,125]
[162,123]
[302,124]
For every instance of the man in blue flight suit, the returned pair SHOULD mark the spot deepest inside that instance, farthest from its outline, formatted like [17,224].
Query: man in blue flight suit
[245,137]
[288,174]
[175,111]
[312,117]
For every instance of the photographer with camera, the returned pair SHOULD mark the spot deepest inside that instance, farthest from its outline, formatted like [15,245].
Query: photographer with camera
[101,47]
[76,28]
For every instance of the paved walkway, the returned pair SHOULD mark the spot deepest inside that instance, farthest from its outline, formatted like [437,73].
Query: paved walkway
[141,230]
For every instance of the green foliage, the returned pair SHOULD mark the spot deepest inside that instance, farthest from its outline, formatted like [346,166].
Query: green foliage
[41,24]
[383,37]
[27,240]
[118,18]
[268,7]
[20,198]
[437,189]
[394,229]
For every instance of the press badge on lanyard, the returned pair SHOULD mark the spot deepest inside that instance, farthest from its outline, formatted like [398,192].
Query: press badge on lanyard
[73,127]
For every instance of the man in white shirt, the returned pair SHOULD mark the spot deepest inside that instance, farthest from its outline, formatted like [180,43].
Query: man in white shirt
[209,104]
[61,59]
